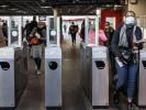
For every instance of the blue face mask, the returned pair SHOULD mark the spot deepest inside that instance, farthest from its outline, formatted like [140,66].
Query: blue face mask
[130,21]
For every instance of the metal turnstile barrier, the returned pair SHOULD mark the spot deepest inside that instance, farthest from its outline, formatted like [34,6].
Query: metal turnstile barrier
[13,77]
[100,77]
[142,79]
[53,77]
[96,76]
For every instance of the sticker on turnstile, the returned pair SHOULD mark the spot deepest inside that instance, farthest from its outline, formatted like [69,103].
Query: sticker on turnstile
[6,53]
[99,54]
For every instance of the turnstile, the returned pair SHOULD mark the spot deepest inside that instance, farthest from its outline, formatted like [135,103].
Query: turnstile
[13,77]
[142,79]
[53,77]
[96,76]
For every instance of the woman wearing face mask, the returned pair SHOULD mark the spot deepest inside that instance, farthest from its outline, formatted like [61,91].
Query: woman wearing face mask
[126,43]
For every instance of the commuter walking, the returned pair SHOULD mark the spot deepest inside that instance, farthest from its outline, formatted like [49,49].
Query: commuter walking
[65,28]
[5,31]
[109,32]
[73,31]
[29,27]
[36,43]
[82,31]
[126,44]
[2,38]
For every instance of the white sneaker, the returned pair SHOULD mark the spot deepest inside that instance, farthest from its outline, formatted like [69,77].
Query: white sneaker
[38,72]
[35,68]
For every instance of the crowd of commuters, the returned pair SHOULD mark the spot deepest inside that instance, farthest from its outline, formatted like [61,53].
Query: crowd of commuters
[123,44]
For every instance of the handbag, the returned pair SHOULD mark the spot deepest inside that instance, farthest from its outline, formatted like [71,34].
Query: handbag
[34,40]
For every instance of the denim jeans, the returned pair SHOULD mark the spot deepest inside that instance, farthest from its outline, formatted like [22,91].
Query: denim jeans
[127,76]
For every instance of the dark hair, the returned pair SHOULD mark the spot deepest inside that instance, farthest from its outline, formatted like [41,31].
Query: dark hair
[130,13]
[34,18]
[107,23]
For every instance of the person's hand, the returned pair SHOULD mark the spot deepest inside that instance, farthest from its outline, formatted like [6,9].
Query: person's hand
[135,48]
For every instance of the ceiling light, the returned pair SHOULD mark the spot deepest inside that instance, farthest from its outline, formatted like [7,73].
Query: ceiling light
[21,11]
[13,9]
[3,6]
[46,7]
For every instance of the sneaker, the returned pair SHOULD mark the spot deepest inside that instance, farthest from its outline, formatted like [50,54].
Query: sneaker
[38,72]
[116,98]
[130,106]
[36,68]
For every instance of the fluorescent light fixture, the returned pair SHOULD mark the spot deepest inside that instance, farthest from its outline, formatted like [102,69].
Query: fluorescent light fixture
[3,6]
[98,11]
[13,9]
[46,7]
[20,11]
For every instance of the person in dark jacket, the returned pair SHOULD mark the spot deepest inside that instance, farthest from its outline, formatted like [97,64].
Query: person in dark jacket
[126,43]
[5,31]
[72,31]
[82,32]
[29,27]
[109,31]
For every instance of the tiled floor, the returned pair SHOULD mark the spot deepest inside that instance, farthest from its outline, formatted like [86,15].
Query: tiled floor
[33,97]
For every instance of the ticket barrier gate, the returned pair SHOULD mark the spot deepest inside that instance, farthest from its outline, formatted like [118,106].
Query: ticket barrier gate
[53,65]
[142,79]
[83,66]
[53,77]
[96,76]
[13,77]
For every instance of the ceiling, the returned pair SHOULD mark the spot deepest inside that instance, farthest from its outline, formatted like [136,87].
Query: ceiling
[43,7]
[18,7]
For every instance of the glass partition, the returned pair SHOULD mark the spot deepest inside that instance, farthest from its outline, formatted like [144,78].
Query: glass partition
[141,21]
[53,31]
[91,30]
[15,31]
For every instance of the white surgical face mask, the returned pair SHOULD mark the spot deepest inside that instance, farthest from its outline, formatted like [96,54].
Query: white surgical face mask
[130,20]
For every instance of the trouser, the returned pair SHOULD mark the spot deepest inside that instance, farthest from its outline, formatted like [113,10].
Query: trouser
[73,37]
[37,55]
[112,62]
[38,63]
[127,76]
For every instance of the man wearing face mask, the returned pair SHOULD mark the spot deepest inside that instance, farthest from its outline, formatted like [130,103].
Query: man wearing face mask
[126,43]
